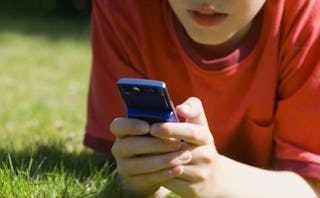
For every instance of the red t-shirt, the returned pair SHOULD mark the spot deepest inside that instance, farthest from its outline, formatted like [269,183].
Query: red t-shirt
[262,100]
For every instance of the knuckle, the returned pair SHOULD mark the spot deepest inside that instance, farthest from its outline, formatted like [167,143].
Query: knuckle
[171,161]
[194,133]
[166,129]
[114,150]
[161,176]
[114,125]
[208,158]
[202,175]
[161,129]
[122,170]
[205,155]
[200,134]
[121,148]
[112,129]
[196,101]
[194,190]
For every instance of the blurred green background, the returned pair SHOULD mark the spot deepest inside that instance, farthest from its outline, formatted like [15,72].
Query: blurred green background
[66,7]
[45,60]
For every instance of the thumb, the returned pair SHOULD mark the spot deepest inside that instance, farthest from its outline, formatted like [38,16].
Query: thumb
[192,111]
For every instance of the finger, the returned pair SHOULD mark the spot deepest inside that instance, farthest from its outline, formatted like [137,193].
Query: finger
[149,164]
[179,186]
[193,112]
[141,182]
[122,127]
[143,145]
[190,185]
[191,133]
[187,189]
[202,155]
[195,173]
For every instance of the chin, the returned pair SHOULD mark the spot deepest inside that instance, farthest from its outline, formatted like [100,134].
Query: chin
[210,41]
[210,38]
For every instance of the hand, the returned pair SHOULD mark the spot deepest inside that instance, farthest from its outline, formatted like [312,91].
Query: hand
[145,162]
[198,175]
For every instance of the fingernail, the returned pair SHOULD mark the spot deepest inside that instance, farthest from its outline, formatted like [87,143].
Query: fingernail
[185,107]
[186,156]
[142,127]
[176,171]
[175,144]
[155,130]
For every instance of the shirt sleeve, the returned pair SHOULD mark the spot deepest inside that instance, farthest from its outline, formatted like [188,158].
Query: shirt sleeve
[110,62]
[298,111]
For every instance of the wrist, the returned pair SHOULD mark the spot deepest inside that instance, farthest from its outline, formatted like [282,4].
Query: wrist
[218,178]
[235,179]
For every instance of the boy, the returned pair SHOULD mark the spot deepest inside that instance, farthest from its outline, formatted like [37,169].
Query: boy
[252,128]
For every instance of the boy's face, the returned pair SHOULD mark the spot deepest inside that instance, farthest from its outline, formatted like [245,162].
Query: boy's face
[214,22]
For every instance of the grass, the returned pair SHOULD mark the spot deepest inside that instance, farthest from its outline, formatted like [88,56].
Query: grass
[44,75]
[44,71]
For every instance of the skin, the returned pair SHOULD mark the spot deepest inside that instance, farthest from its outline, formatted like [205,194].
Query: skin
[216,41]
[192,168]
[153,164]
[240,15]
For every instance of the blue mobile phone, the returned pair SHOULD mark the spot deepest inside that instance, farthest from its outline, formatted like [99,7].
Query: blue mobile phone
[148,100]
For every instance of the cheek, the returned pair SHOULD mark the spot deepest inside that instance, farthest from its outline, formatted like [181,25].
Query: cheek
[249,8]
[177,6]
[244,14]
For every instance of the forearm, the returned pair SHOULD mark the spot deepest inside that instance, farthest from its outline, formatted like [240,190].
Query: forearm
[234,179]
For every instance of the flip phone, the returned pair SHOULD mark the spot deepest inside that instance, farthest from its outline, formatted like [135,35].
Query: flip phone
[148,100]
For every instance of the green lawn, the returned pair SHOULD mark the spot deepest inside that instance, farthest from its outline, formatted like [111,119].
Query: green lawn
[44,71]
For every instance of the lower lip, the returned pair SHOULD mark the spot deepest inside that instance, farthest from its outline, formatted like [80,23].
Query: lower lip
[208,20]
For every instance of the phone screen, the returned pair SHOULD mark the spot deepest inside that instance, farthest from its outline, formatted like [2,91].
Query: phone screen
[147,100]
